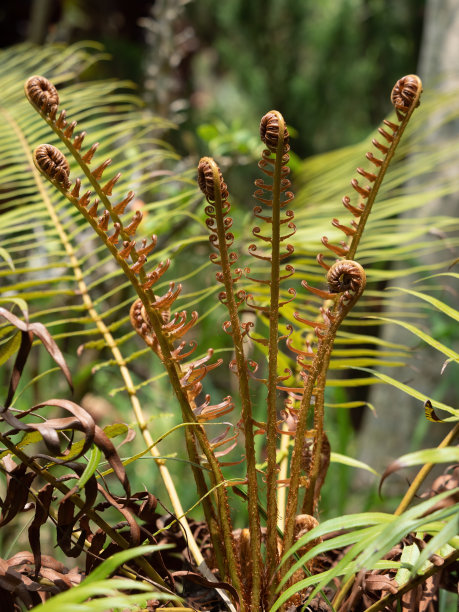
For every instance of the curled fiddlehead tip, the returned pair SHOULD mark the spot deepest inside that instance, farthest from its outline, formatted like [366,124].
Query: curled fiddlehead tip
[406,90]
[53,164]
[42,93]
[346,275]
[210,178]
[270,130]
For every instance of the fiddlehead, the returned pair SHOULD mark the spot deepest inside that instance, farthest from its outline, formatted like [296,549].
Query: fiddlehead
[53,163]
[43,94]
[405,94]
[44,97]
[405,98]
[347,280]
[274,195]
[142,283]
[211,183]
[345,276]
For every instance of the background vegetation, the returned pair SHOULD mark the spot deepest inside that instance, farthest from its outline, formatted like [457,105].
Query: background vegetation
[329,68]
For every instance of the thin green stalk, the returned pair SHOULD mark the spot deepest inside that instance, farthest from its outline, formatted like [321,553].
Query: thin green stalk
[423,473]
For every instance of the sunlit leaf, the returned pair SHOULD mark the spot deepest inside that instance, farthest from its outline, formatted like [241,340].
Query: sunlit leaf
[410,391]
[343,459]
[450,454]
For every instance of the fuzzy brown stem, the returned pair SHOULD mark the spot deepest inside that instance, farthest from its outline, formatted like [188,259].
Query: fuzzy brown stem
[244,392]
[172,370]
[321,358]
[271,430]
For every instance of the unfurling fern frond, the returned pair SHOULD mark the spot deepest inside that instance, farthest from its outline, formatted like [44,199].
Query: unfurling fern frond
[405,98]
[147,313]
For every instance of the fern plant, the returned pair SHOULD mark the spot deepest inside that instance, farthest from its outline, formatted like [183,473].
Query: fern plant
[262,567]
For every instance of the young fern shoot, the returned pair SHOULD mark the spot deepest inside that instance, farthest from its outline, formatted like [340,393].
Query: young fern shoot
[275,196]
[150,313]
[163,331]
[211,183]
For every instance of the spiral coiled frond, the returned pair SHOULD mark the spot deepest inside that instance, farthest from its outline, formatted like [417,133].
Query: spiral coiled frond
[346,281]
[405,94]
[275,195]
[270,132]
[405,98]
[345,275]
[53,164]
[42,94]
[207,170]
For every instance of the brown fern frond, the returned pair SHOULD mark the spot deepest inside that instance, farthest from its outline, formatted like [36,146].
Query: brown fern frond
[208,412]
[53,164]
[405,98]
[347,281]
[42,94]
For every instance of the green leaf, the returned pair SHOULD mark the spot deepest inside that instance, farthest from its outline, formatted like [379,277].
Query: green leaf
[439,305]
[450,454]
[112,563]
[19,302]
[7,257]
[345,460]
[408,559]
[108,593]
[444,536]
[10,347]
[91,466]
[350,521]
[423,336]
[410,391]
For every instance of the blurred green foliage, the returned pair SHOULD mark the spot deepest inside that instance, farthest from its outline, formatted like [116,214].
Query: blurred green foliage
[327,65]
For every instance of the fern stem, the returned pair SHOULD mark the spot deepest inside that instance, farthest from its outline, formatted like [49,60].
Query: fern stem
[172,370]
[382,171]
[209,513]
[271,429]
[321,358]
[187,413]
[309,501]
[110,342]
[244,393]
